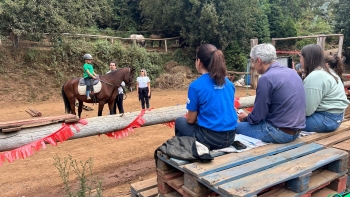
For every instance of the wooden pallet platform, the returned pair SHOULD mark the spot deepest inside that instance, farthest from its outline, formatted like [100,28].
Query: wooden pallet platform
[299,168]
[292,165]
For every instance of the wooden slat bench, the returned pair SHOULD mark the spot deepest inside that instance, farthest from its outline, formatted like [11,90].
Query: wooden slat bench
[299,168]
[230,173]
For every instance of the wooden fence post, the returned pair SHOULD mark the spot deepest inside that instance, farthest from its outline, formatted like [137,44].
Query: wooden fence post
[340,46]
[165,45]
[0,40]
[273,42]
[253,74]
[321,41]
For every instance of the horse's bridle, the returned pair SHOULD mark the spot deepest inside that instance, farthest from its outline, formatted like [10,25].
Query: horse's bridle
[130,81]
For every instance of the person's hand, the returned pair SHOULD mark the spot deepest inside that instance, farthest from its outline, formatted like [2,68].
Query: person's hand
[149,93]
[93,77]
[241,116]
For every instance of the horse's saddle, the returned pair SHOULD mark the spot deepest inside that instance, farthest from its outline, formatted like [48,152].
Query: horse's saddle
[97,85]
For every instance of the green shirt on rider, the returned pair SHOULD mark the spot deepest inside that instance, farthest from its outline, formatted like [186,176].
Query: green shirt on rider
[90,68]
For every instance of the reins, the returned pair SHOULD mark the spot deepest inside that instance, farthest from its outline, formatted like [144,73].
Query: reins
[106,82]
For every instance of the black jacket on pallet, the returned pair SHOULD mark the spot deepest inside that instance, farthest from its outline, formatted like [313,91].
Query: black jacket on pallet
[183,148]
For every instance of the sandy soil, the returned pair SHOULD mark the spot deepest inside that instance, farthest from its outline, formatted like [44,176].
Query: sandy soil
[118,163]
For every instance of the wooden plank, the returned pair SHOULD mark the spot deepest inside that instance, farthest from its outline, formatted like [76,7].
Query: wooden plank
[176,183]
[143,185]
[281,173]
[234,159]
[318,136]
[171,194]
[18,123]
[11,129]
[324,192]
[149,193]
[343,145]
[334,139]
[235,173]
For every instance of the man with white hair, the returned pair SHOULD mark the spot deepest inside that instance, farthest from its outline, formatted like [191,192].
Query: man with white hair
[279,108]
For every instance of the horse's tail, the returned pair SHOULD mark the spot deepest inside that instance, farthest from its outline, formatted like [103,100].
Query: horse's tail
[67,107]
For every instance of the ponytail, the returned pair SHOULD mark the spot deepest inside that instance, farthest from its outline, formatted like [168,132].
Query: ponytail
[217,67]
[214,61]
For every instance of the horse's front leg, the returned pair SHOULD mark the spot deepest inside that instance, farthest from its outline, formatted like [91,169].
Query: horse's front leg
[80,108]
[100,107]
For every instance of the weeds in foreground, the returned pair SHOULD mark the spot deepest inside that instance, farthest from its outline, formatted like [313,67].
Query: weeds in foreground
[86,184]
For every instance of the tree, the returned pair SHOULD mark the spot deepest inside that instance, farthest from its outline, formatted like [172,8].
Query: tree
[35,17]
[343,24]
[276,20]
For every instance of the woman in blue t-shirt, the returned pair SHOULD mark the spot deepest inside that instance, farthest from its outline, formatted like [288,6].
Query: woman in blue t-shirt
[211,117]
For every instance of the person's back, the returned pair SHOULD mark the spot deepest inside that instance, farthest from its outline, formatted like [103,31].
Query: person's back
[325,98]
[287,100]
[211,117]
[333,97]
[279,108]
[214,103]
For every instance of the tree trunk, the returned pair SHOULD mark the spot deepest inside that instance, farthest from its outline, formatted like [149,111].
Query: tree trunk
[14,39]
[100,125]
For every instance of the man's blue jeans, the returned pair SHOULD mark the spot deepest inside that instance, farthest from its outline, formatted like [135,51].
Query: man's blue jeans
[215,140]
[323,122]
[265,132]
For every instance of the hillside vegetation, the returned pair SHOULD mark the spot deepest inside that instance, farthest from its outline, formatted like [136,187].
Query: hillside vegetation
[32,74]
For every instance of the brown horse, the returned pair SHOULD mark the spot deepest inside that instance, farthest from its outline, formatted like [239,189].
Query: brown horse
[109,90]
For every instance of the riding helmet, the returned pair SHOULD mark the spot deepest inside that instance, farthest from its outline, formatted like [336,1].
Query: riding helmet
[87,57]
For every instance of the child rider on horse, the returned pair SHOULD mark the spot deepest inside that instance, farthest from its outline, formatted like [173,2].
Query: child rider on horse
[88,74]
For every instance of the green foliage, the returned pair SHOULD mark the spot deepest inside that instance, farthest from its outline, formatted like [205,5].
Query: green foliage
[343,24]
[276,19]
[83,171]
[235,59]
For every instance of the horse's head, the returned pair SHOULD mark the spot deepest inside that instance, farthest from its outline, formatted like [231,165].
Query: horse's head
[128,77]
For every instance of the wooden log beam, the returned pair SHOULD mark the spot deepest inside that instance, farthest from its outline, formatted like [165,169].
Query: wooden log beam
[300,37]
[100,125]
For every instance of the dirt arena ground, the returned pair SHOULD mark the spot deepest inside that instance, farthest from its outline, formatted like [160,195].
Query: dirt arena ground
[118,163]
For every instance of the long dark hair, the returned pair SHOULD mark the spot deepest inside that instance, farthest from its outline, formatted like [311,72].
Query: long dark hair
[336,64]
[214,61]
[313,58]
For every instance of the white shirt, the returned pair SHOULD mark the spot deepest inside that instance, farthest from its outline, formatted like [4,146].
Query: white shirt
[143,81]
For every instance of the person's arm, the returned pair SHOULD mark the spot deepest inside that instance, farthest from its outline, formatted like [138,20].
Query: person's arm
[137,87]
[192,105]
[191,117]
[91,75]
[262,102]
[149,88]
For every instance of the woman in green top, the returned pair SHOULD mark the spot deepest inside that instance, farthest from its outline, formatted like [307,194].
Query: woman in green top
[88,74]
[325,97]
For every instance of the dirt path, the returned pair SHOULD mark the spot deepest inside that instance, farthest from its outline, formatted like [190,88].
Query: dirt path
[118,163]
